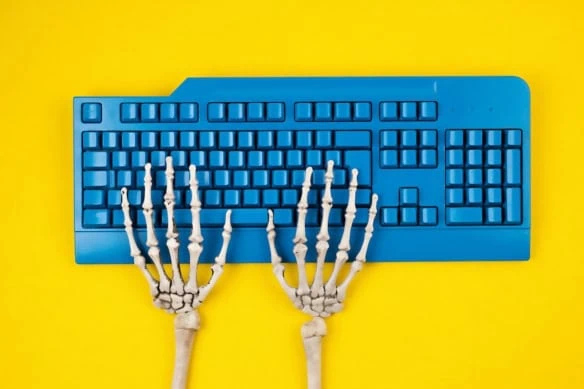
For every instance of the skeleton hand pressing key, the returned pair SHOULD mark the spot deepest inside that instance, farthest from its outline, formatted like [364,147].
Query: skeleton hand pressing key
[171,293]
[321,299]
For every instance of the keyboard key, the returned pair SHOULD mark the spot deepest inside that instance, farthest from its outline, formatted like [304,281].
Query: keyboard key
[199,159]
[129,113]
[429,216]
[455,138]
[408,216]
[318,177]
[149,112]
[231,198]
[304,139]
[362,112]
[294,158]
[428,110]
[207,140]
[336,217]
[474,157]
[255,159]
[275,158]
[189,112]
[255,112]
[289,197]
[204,178]
[454,177]
[91,140]
[409,158]
[159,181]
[135,197]
[265,139]
[91,113]
[96,217]
[118,217]
[95,159]
[389,216]
[513,138]
[464,215]
[454,158]
[513,166]
[212,198]
[275,112]
[323,112]
[251,198]
[409,138]
[340,196]
[494,196]
[214,217]
[408,196]
[408,110]
[360,160]
[94,198]
[181,178]
[179,158]
[494,158]
[303,112]
[388,139]
[428,158]
[324,139]
[271,198]
[245,140]
[148,140]
[494,138]
[282,217]
[216,112]
[125,178]
[298,178]
[474,196]
[314,158]
[168,140]
[236,159]
[188,139]
[474,138]
[261,178]
[168,112]
[129,140]
[250,217]
[241,178]
[454,196]
[335,156]
[494,177]
[388,111]
[353,139]
[236,112]
[429,138]
[110,140]
[217,159]
[222,178]
[120,159]
[285,139]
[513,206]
[279,178]
[494,215]
[474,177]
[389,158]
[227,139]
[339,177]
[95,179]
[342,112]
[158,197]
[158,158]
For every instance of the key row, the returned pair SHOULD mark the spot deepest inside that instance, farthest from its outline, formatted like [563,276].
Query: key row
[213,198]
[493,158]
[245,217]
[409,216]
[478,196]
[284,139]
[482,177]
[408,111]
[406,158]
[246,112]
[407,139]
[483,138]
[509,213]
[159,113]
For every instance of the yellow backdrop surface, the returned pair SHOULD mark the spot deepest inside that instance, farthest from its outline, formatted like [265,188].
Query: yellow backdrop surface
[417,325]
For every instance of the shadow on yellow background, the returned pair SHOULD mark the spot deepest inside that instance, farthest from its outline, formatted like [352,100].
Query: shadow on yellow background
[406,325]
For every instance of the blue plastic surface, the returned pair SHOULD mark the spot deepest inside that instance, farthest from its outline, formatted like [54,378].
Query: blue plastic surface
[449,158]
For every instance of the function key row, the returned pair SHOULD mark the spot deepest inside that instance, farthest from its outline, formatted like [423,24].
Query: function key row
[159,112]
[328,112]
[246,112]
[151,140]
[408,111]
[483,138]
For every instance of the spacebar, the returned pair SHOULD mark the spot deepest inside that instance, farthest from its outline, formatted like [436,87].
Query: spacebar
[216,217]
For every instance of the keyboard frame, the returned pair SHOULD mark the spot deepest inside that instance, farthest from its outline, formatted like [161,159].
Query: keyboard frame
[464,102]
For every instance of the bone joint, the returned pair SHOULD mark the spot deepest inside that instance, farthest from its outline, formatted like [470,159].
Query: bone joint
[172,294]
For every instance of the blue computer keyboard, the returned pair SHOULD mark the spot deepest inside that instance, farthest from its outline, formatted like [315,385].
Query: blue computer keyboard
[449,158]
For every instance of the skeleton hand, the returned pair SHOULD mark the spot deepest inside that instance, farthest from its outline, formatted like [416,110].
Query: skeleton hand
[320,300]
[171,293]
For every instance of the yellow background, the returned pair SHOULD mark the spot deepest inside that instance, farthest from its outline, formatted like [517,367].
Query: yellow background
[417,325]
